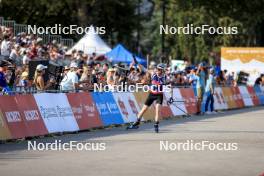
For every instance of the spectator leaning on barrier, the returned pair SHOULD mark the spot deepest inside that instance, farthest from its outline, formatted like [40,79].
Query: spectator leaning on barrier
[39,78]
[209,91]
[260,80]
[70,81]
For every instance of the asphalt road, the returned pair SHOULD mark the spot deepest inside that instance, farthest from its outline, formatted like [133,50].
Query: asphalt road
[138,152]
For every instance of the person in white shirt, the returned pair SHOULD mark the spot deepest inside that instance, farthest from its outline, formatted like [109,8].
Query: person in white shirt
[70,81]
[5,47]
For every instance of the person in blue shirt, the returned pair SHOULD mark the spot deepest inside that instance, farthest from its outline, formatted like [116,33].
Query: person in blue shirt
[3,83]
[209,91]
[193,79]
[158,80]
[200,84]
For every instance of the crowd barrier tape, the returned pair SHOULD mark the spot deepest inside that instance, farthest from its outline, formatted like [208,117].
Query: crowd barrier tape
[45,113]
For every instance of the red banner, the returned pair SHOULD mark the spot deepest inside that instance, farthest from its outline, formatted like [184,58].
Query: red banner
[84,110]
[12,117]
[165,109]
[253,95]
[237,97]
[189,100]
[31,115]
[4,131]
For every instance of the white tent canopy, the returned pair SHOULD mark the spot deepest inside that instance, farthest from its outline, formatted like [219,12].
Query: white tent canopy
[91,43]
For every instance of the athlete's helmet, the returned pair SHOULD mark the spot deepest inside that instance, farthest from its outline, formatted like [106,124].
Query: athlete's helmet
[161,66]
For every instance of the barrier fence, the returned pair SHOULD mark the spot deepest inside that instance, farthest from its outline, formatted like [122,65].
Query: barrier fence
[46,113]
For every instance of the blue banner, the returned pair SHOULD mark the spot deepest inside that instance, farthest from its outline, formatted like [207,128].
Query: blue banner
[107,107]
[259,94]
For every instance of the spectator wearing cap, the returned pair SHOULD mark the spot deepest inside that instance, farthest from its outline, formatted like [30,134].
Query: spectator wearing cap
[209,92]
[38,80]
[110,77]
[70,82]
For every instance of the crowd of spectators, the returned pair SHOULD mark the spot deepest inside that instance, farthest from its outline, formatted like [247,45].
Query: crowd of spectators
[82,71]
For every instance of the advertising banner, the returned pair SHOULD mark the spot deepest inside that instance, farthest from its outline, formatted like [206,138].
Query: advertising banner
[141,98]
[177,107]
[245,95]
[189,100]
[107,108]
[237,97]
[31,115]
[56,112]
[219,100]
[228,95]
[260,94]
[127,105]
[165,109]
[12,117]
[253,95]
[84,110]
[246,59]
[4,131]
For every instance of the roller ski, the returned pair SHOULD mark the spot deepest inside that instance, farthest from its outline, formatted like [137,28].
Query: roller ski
[134,125]
[156,127]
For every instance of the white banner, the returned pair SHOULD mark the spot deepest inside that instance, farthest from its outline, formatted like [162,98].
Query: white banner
[219,100]
[177,108]
[246,96]
[56,112]
[127,105]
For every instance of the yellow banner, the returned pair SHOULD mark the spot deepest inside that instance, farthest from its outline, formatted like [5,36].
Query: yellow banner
[244,54]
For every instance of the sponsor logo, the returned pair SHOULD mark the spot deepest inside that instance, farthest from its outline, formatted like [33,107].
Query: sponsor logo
[123,107]
[90,108]
[112,107]
[64,111]
[31,115]
[13,116]
[77,111]
[133,106]
[102,108]
[48,112]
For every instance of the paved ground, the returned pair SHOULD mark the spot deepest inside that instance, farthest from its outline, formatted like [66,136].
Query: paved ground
[138,152]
